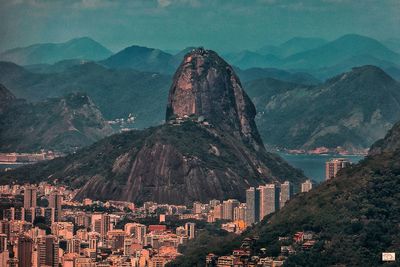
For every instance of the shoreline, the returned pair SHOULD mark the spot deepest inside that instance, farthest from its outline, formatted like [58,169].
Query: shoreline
[321,154]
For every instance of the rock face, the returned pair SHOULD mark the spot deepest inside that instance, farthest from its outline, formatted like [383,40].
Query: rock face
[206,86]
[184,160]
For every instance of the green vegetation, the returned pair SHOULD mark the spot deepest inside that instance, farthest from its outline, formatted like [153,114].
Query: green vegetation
[355,217]
[61,124]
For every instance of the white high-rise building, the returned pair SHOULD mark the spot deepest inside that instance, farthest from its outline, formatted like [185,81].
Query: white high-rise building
[269,199]
[306,186]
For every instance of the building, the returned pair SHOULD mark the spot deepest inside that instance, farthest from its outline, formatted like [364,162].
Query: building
[333,166]
[269,199]
[48,252]
[306,186]
[25,246]
[228,207]
[286,193]
[190,229]
[49,216]
[197,207]
[239,213]
[214,202]
[55,201]
[30,197]
[12,262]
[217,212]
[252,205]
[3,242]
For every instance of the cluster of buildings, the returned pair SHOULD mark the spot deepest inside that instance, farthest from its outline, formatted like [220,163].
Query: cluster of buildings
[269,198]
[43,226]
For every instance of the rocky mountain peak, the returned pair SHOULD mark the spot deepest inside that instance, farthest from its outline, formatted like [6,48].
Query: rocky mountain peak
[205,85]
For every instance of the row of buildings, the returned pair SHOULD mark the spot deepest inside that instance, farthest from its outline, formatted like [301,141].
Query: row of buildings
[269,198]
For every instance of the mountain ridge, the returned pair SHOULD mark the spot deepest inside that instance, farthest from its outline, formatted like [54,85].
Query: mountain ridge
[345,111]
[77,48]
[62,124]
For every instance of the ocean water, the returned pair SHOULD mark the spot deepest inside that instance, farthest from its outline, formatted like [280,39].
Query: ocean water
[313,166]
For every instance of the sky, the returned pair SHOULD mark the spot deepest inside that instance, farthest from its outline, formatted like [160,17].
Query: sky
[223,25]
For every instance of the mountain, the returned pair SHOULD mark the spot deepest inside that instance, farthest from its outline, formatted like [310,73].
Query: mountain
[6,98]
[346,65]
[141,59]
[292,46]
[78,48]
[319,58]
[288,76]
[209,148]
[117,93]
[62,124]
[393,44]
[354,217]
[248,59]
[341,49]
[351,110]
[389,144]
[58,67]
[206,86]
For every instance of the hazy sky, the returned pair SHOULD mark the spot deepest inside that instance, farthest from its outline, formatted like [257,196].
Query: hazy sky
[174,24]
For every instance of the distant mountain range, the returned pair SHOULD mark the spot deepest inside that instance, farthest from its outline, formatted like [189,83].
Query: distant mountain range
[143,59]
[208,149]
[79,48]
[323,59]
[351,110]
[292,46]
[61,124]
[320,58]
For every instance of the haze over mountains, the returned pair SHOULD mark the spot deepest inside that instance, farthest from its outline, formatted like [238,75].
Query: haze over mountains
[135,81]
[316,56]
[79,48]
[326,59]
[205,150]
